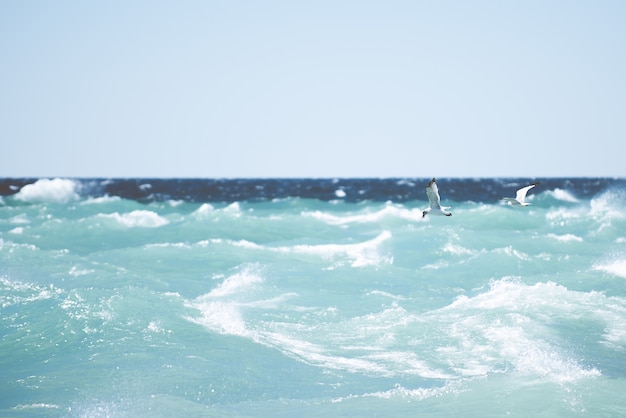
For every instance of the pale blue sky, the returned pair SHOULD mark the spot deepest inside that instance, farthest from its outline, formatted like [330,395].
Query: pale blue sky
[313,89]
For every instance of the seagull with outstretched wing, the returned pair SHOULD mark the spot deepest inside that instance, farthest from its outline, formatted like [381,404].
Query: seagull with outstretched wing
[432,191]
[520,196]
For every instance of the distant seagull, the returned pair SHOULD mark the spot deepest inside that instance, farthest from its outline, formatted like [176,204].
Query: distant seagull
[520,196]
[433,198]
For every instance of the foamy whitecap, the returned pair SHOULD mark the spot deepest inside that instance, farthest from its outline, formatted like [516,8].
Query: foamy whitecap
[608,206]
[11,246]
[33,406]
[616,267]
[499,329]
[386,295]
[75,271]
[389,211]
[49,191]
[218,311]
[563,195]
[20,219]
[510,251]
[235,283]
[565,237]
[234,209]
[362,254]
[561,216]
[246,244]
[457,249]
[508,322]
[531,356]
[101,200]
[168,245]
[137,218]
[156,327]
[203,211]
[419,394]
[22,293]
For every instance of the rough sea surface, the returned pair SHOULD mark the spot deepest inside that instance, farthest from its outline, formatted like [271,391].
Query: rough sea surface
[311,297]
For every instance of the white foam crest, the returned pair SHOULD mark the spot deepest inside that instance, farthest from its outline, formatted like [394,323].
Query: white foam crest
[608,205]
[615,267]
[562,195]
[168,245]
[137,218]
[234,209]
[175,203]
[157,328]
[510,251]
[318,355]
[457,249]
[221,308]
[530,356]
[235,283]
[21,219]
[362,254]
[101,200]
[378,341]
[22,407]
[220,316]
[203,211]
[563,215]
[75,271]
[400,391]
[615,332]
[77,308]
[389,211]
[507,323]
[208,211]
[25,292]
[565,237]
[386,294]
[242,243]
[408,363]
[509,293]
[12,246]
[49,191]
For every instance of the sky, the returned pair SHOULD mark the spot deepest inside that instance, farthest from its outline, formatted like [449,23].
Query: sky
[354,88]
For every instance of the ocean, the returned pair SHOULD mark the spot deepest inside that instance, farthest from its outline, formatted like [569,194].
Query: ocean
[311,298]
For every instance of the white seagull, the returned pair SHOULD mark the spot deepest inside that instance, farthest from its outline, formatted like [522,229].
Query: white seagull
[433,198]
[520,196]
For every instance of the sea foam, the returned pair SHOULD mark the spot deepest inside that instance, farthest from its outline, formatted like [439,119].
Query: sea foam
[49,191]
[137,218]
[616,267]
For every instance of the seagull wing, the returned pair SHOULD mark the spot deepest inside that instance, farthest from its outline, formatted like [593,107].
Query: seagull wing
[433,195]
[520,196]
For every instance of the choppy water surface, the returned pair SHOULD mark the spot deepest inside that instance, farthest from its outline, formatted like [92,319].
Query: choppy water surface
[308,297]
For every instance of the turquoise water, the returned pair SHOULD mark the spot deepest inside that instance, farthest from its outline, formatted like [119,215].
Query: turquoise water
[296,306]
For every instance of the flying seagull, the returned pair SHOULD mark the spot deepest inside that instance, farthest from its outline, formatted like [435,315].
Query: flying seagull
[433,198]
[520,196]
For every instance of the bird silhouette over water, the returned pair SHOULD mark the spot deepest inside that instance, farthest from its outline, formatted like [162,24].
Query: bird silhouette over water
[520,196]
[432,191]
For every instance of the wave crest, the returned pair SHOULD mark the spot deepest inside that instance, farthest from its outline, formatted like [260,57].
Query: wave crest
[137,218]
[49,191]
